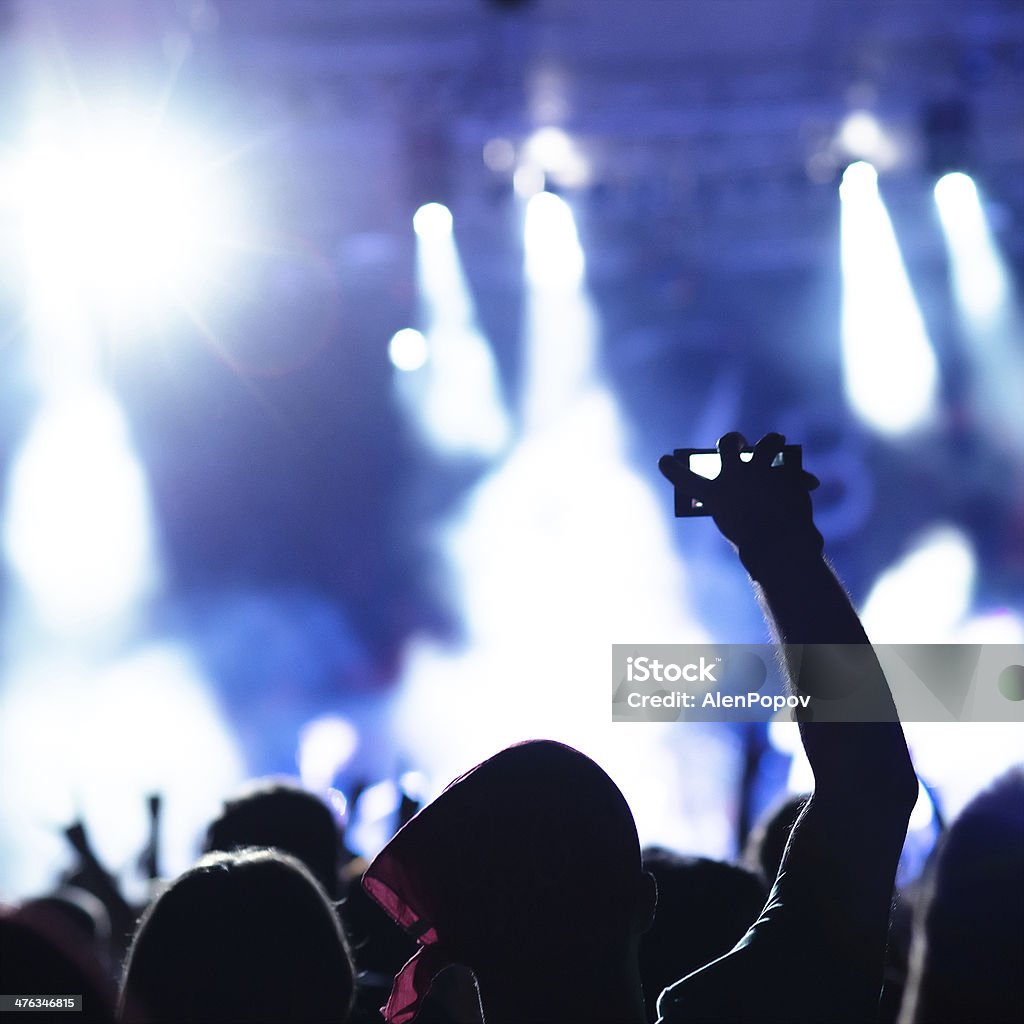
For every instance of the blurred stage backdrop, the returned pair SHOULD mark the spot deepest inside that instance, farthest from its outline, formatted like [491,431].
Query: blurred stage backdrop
[340,339]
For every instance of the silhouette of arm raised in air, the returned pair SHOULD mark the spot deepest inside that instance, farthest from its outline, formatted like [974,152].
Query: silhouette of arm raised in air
[816,952]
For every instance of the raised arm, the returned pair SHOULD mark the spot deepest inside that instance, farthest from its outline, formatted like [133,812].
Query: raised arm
[825,924]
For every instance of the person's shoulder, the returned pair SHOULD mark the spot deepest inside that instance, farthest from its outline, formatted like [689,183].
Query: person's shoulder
[719,992]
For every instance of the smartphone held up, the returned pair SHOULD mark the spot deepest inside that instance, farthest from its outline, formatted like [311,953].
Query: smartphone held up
[707,462]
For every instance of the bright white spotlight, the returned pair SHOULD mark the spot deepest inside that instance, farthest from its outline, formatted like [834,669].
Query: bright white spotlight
[859,179]
[550,150]
[549,147]
[455,398]
[925,596]
[980,280]
[862,136]
[408,350]
[1002,626]
[860,133]
[338,803]
[890,369]
[432,221]
[989,310]
[78,526]
[416,785]
[957,192]
[379,801]
[97,741]
[119,215]
[326,745]
[554,258]
[923,814]
[784,736]
[561,323]
[371,821]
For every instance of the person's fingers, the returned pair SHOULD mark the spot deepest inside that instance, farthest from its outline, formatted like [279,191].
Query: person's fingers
[671,468]
[729,447]
[767,448]
[682,476]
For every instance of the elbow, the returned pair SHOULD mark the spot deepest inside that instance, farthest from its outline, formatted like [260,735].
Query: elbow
[903,786]
[888,778]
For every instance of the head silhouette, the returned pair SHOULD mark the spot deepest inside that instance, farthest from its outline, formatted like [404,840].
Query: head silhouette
[967,959]
[279,812]
[245,936]
[527,870]
[704,908]
[767,841]
[42,952]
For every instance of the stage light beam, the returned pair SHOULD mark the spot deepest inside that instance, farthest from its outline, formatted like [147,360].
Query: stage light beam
[554,257]
[561,328]
[980,281]
[450,387]
[537,615]
[989,310]
[78,528]
[890,370]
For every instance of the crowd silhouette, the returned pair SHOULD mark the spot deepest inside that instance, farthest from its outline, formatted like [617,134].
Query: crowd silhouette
[521,893]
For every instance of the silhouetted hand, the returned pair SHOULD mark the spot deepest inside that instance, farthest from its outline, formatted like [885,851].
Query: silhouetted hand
[89,874]
[758,508]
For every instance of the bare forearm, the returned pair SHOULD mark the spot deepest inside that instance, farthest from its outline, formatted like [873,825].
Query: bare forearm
[763,507]
[806,606]
[803,601]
